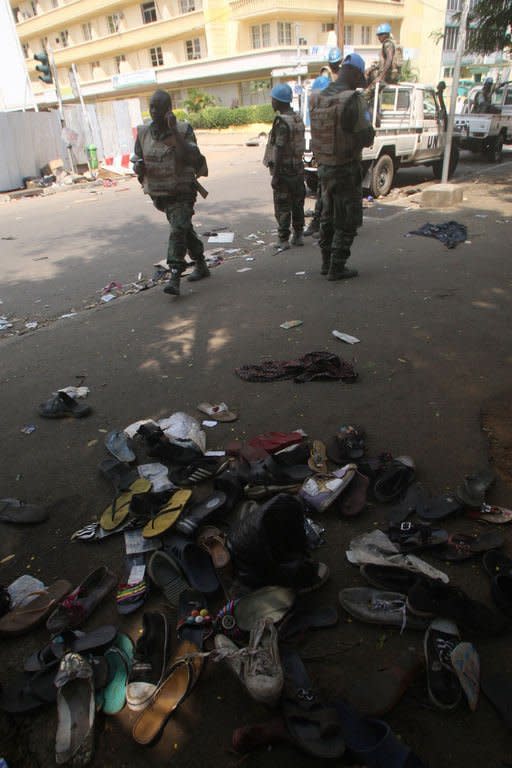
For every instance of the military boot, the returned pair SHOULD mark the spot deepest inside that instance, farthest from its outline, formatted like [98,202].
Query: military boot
[312,227]
[200,271]
[173,286]
[326,261]
[281,245]
[340,271]
[297,238]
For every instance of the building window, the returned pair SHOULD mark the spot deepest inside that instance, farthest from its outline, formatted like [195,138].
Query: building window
[260,36]
[187,6]
[348,36]
[95,65]
[328,26]
[17,15]
[148,11]
[193,48]
[87,30]
[366,35]
[451,38]
[118,61]
[284,33]
[113,23]
[157,56]
[63,38]
[43,43]
[25,50]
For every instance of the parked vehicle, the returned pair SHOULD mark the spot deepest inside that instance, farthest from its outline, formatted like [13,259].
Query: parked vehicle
[410,130]
[487,132]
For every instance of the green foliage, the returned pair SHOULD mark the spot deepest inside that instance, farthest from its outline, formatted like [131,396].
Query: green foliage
[490,26]
[198,100]
[225,117]
[408,73]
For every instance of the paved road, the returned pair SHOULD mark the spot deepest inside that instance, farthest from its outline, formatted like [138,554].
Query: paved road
[434,326]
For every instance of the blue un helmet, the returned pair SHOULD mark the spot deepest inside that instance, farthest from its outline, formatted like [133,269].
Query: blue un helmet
[282,92]
[488,81]
[335,56]
[384,29]
[355,60]
[320,83]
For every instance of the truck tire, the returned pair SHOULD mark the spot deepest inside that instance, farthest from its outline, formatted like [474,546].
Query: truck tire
[437,167]
[382,175]
[494,154]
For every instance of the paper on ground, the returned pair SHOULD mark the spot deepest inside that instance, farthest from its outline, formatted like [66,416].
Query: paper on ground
[346,337]
[222,237]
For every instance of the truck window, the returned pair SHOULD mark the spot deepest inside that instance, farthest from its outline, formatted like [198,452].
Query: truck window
[387,103]
[429,105]
[508,98]
[497,97]
[403,100]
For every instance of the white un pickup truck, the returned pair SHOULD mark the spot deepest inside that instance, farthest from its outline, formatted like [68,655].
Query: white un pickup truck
[486,132]
[410,130]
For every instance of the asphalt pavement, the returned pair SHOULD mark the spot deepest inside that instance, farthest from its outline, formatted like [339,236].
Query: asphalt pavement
[434,330]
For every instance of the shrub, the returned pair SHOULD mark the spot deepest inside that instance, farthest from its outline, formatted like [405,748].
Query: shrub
[225,117]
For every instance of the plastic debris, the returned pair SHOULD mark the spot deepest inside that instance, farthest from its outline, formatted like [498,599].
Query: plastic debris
[346,337]
[28,429]
[4,323]
[31,325]
[108,297]
[75,392]
[244,269]
[222,237]
[291,324]
[209,423]
[68,314]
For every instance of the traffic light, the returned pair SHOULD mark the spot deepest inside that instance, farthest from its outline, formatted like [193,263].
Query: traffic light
[44,67]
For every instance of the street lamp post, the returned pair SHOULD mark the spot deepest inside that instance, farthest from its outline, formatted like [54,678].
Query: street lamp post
[461,46]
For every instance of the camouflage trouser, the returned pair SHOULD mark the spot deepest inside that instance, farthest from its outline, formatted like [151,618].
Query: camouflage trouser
[289,196]
[318,204]
[182,237]
[342,209]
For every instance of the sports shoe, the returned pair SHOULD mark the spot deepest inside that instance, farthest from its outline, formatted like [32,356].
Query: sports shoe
[262,674]
[297,238]
[441,638]
[150,660]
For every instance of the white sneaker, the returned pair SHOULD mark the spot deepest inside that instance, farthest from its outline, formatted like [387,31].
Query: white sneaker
[262,674]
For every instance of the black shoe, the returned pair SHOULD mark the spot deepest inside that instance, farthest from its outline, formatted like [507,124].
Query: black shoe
[200,271]
[297,239]
[341,274]
[150,660]
[311,229]
[173,286]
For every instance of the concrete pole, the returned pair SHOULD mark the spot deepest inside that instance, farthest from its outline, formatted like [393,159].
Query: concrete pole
[461,47]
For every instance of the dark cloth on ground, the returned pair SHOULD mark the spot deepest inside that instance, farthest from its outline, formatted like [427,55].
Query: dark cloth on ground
[451,233]
[310,367]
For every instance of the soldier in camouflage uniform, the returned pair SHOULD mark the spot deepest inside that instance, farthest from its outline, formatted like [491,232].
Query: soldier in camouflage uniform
[284,159]
[167,164]
[389,70]
[340,128]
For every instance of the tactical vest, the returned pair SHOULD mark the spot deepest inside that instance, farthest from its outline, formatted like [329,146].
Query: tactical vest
[166,172]
[330,143]
[291,155]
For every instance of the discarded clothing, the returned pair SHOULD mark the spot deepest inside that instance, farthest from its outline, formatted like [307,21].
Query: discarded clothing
[451,233]
[313,365]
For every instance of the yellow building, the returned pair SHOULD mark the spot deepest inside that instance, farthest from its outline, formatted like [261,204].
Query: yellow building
[231,49]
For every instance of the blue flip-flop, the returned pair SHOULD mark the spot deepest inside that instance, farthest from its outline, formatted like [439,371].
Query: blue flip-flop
[119,659]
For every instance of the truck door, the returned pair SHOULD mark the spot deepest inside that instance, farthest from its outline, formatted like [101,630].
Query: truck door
[432,137]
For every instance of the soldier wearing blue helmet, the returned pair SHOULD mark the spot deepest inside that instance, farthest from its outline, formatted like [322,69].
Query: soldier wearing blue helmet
[334,58]
[284,159]
[389,66]
[313,227]
[340,128]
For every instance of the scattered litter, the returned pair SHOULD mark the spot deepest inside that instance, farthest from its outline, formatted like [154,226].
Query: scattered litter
[502,221]
[108,297]
[7,237]
[31,325]
[215,454]
[260,242]
[252,236]
[244,269]
[6,559]
[222,237]
[91,443]
[300,273]
[209,423]
[75,392]
[346,337]
[249,258]
[291,324]
[480,215]
[41,258]
[4,323]
[28,429]
[231,250]
[68,314]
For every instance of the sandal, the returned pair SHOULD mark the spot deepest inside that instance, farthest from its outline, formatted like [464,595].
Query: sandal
[461,546]
[318,458]
[412,537]
[167,515]
[117,512]
[61,405]
[491,513]
[184,672]
[25,618]
[80,603]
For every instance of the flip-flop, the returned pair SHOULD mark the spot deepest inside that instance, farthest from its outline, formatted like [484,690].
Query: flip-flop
[313,727]
[168,576]
[119,658]
[219,412]
[132,590]
[16,511]
[202,512]
[70,641]
[82,601]
[184,672]
[168,514]
[491,513]
[25,618]
[461,546]
[466,663]
[318,458]
[117,512]
[194,561]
